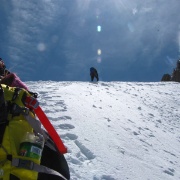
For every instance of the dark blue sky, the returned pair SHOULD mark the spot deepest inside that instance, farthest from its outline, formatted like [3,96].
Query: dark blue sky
[126,40]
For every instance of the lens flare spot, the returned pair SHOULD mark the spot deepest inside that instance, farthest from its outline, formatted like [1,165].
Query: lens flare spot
[99,59]
[99,51]
[98,28]
[41,47]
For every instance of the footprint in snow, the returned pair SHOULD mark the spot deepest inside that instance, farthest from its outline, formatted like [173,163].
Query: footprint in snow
[74,161]
[48,111]
[85,151]
[104,84]
[62,105]
[107,119]
[69,136]
[103,177]
[66,126]
[169,171]
[172,154]
[66,118]
[135,133]
[47,97]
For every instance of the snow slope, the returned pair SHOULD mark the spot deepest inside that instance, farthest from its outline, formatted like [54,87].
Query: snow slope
[116,130]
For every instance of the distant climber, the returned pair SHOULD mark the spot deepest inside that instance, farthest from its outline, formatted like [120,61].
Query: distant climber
[94,73]
[9,78]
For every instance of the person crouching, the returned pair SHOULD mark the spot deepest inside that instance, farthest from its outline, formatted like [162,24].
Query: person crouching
[94,73]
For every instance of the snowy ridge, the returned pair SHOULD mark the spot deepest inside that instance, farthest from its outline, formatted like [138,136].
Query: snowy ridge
[116,130]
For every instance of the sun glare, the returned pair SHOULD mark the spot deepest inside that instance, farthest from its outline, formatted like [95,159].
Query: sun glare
[98,28]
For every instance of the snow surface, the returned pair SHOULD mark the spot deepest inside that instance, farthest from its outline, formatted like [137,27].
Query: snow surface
[116,130]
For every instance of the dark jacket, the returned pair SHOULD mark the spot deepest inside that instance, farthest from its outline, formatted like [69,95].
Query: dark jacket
[94,73]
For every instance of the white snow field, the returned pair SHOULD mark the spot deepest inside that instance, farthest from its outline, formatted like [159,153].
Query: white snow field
[116,130]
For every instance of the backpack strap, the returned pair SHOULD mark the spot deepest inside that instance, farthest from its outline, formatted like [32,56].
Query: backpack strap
[30,165]
[32,103]
[35,124]
[3,114]
[37,128]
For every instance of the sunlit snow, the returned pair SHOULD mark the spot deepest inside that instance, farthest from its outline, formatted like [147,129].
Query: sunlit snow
[116,130]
